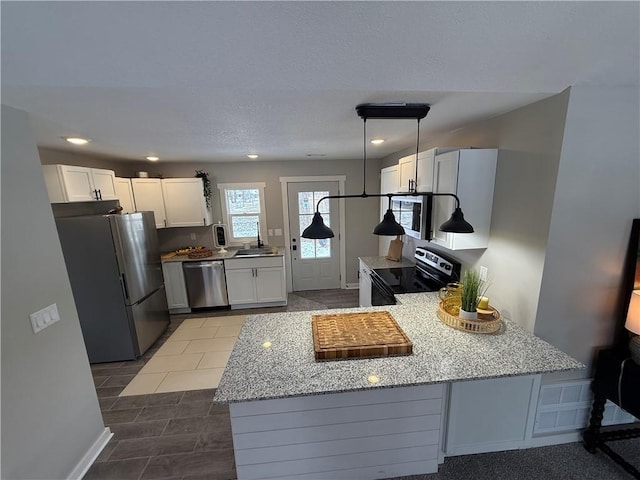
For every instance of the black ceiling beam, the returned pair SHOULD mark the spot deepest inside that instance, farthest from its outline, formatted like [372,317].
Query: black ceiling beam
[393,110]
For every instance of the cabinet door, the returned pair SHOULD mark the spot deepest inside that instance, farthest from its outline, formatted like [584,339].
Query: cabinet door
[270,284]
[184,202]
[174,285]
[77,183]
[424,169]
[105,182]
[125,195]
[241,286]
[147,193]
[445,176]
[407,173]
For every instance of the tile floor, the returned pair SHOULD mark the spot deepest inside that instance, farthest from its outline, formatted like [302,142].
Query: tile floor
[192,358]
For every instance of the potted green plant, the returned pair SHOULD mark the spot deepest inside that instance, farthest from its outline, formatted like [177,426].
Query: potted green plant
[473,287]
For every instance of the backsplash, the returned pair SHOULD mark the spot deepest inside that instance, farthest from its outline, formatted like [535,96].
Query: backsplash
[173,238]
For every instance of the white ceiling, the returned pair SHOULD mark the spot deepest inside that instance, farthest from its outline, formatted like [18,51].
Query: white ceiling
[213,81]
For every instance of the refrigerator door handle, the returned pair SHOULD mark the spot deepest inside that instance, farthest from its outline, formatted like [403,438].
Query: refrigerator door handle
[123,281]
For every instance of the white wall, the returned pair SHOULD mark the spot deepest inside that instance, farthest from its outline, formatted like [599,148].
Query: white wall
[50,411]
[597,196]
[530,140]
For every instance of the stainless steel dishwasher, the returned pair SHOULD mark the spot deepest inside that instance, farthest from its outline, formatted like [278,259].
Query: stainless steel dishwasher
[206,284]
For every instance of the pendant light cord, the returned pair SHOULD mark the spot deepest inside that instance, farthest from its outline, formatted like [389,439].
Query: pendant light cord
[364,159]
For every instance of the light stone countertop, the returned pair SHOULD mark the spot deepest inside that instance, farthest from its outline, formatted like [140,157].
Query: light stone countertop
[230,253]
[287,368]
[382,262]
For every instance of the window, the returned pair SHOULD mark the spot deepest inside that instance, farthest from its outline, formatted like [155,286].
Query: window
[243,209]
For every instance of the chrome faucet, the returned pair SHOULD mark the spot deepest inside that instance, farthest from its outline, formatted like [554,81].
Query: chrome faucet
[260,244]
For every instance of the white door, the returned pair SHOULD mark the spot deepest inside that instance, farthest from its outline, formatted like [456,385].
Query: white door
[315,264]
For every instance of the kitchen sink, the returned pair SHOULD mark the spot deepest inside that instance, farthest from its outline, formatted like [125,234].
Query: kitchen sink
[257,252]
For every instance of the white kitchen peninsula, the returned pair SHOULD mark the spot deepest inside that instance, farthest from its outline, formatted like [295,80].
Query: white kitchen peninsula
[293,417]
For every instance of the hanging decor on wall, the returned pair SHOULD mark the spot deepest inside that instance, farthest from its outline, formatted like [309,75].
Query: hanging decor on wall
[206,185]
[389,226]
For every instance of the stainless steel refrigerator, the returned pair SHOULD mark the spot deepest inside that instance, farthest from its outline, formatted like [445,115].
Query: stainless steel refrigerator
[115,271]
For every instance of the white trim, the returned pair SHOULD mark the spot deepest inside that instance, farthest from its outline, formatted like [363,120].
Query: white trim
[91,455]
[352,286]
[261,186]
[284,182]
[546,440]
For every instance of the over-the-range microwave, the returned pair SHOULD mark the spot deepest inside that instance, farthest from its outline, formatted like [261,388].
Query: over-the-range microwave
[414,214]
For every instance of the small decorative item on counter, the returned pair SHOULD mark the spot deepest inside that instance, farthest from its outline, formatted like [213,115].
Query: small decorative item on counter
[470,294]
[200,253]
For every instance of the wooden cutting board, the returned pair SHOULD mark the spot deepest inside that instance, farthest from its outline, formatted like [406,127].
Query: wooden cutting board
[358,335]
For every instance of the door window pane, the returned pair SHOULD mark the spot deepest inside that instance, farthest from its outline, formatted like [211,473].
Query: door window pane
[310,248]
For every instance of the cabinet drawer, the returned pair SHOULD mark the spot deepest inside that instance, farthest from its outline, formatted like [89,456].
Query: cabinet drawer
[254,262]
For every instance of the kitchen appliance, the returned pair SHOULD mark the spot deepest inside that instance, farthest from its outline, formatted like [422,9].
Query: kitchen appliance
[432,271]
[206,284]
[220,237]
[414,214]
[113,262]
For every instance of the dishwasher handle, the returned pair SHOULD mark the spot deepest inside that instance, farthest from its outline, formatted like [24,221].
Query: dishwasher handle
[201,264]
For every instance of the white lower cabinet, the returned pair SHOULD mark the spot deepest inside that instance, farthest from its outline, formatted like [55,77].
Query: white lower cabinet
[256,281]
[175,286]
[491,415]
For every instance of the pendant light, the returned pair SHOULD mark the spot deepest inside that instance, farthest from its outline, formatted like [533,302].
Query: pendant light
[389,226]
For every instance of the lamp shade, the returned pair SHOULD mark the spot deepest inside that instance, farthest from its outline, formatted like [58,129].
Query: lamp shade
[317,229]
[633,314]
[388,226]
[457,223]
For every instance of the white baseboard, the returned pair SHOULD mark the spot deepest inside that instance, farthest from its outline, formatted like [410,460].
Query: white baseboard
[546,440]
[90,456]
[352,286]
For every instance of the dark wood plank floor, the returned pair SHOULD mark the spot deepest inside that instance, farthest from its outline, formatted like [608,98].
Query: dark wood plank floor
[181,435]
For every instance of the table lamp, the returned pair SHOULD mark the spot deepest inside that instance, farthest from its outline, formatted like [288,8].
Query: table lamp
[633,325]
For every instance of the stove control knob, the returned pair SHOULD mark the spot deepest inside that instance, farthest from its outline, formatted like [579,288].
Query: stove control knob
[446,266]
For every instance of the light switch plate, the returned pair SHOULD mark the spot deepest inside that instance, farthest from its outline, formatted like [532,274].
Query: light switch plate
[45,317]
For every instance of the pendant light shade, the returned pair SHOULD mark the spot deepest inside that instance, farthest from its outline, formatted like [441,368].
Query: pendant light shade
[388,226]
[457,223]
[317,229]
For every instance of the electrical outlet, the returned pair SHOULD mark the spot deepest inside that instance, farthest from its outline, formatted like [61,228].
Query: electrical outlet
[270,231]
[278,232]
[193,236]
[45,317]
[484,273]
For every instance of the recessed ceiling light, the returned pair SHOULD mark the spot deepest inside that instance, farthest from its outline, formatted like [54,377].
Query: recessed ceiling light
[77,140]
[377,141]
[152,158]
[252,156]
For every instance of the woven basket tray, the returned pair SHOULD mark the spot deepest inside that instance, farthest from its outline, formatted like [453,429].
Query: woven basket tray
[486,322]
[202,253]
[358,335]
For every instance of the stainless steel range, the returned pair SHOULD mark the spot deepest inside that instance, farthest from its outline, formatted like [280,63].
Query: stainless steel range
[432,271]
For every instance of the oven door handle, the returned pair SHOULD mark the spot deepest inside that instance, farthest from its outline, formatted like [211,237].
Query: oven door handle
[381,285]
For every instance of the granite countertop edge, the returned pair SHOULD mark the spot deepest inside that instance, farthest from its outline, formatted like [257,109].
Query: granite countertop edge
[441,354]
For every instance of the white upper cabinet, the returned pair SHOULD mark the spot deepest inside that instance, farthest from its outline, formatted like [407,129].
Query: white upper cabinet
[416,176]
[67,183]
[175,202]
[124,192]
[184,202]
[147,193]
[470,174]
